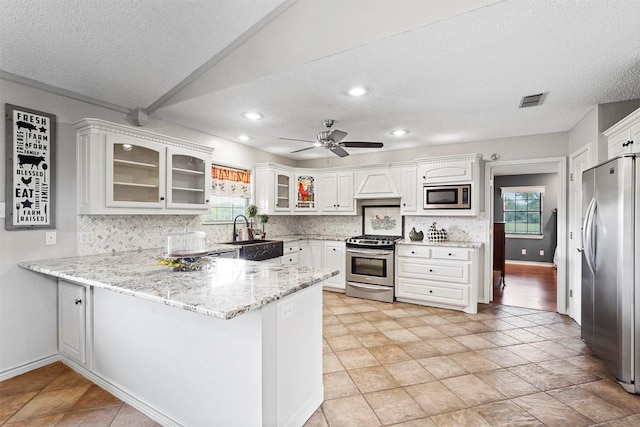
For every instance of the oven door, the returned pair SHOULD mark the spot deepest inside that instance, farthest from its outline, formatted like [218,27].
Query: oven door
[372,266]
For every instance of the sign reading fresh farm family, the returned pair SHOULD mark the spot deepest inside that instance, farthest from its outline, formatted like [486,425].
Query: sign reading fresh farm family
[30,168]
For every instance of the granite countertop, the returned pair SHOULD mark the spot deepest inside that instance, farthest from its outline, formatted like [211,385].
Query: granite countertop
[226,289]
[295,237]
[446,243]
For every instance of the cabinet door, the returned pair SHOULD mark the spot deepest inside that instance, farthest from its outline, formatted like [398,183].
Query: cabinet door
[283,190]
[344,192]
[305,190]
[135,173]
[72,321]
[328,192]
[447,172]
[311,253]
[409,190]
[188,179]
[334,257]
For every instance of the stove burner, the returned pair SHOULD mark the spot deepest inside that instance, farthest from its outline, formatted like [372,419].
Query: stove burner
[370,240]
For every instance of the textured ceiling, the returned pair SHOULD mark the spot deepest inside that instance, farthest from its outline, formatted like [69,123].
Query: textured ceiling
[446,71]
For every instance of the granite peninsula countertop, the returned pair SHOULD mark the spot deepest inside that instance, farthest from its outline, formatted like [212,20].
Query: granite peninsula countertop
[226,289]
[446,243]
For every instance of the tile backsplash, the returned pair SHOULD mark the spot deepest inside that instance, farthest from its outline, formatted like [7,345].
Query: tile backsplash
[132,232]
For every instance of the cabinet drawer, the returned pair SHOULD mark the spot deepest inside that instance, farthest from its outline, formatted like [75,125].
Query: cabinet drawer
[433,292]
[461,254]
[290,247]
[288,259]
[414,251]
[437,271]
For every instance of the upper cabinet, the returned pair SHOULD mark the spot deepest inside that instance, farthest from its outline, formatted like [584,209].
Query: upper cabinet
[336,192]
[407,183]
[124,170]
[624,136]
[306,184]
[448,171]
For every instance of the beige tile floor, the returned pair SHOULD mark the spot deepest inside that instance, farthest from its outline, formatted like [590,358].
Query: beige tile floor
[409,365]
[398,364]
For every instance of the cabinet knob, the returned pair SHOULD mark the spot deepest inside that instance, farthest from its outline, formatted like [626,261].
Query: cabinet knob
[412,252]
[78,301]
[161,198]
[450,254]
[334,249]
[404,204]
[430,291]
[430,271]
[206,201]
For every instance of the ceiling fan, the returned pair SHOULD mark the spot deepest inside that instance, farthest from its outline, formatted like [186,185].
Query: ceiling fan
[331,140]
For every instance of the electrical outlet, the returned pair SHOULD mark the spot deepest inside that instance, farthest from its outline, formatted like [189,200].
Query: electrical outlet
[541,252]
[50,238]
[286,312]
[86,237]
[524,252]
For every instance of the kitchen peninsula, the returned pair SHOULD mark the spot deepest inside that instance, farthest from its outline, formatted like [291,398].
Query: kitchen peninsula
[236,343]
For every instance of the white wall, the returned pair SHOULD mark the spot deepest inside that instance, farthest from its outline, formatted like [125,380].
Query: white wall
[28,330]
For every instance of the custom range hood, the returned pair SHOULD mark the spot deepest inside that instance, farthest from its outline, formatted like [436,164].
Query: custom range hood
[377,183]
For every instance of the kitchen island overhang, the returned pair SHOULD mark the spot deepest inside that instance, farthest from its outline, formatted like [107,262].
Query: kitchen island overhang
[238,343]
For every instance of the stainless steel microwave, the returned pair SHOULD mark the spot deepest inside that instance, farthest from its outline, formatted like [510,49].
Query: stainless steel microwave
[447,197]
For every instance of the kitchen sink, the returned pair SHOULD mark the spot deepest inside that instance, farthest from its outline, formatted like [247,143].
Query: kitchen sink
[258,250]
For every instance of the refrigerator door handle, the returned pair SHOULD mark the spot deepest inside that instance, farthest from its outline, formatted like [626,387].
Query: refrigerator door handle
[587,235]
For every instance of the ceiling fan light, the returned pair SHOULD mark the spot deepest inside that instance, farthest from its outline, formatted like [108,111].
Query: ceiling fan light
[317,144]
[243,137]
[357,91]
[250,115]
[399,132]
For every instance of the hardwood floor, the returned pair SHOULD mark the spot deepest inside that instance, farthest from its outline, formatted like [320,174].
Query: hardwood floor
[528,286]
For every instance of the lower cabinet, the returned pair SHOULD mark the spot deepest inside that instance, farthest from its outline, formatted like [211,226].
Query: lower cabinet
[72,321]
[310,253]
[290,253]
[333,256]
[439,276]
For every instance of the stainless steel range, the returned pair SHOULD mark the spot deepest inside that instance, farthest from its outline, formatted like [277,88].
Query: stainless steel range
[370,262]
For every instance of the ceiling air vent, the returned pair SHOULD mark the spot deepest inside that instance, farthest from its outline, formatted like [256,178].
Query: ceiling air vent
[531,100]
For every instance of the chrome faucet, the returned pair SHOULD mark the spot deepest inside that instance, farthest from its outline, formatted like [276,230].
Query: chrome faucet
[235,234]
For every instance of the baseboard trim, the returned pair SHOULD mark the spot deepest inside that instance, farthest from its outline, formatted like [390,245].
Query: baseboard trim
[532,263]
[14,372]
[131,399]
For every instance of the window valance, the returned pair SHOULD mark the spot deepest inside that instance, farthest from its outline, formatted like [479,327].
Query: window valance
[230,182]
[524,189]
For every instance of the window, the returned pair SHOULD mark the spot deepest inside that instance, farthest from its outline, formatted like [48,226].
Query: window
[522,208]
[230,194]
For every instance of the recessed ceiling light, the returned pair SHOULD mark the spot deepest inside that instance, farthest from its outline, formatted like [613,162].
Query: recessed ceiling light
[357,91]
[399,132]
[243,137]
[250,115]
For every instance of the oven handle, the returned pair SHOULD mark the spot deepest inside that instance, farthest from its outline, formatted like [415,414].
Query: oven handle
[372,287]
[368,252]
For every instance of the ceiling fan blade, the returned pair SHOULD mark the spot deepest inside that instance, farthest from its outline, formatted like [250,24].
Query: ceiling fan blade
[362,144]
[293,139]
[339,151]
[302,149]
[336,135]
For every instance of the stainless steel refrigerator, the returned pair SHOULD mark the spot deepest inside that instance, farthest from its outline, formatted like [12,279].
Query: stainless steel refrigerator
[611,266]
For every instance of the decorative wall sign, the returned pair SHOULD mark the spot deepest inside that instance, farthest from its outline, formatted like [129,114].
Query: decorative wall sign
[31,160]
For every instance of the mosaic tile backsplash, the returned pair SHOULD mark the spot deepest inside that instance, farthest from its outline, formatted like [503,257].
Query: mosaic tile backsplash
[132,232]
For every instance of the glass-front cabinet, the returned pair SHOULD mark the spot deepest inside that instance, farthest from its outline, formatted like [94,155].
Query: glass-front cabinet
[125,170]
[188,177]
[305,188]
[282,191]
[135,173]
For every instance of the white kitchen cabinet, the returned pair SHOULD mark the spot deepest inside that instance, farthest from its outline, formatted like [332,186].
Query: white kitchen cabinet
[72,321]
[334,257]
[290,253]
[407,183]
[336,192]
[624,136]
[274,189]
[124,170]
[439,276]
[310,253]
[305,190]
[447,172]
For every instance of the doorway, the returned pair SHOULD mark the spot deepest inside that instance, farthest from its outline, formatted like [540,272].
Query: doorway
[556,165]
